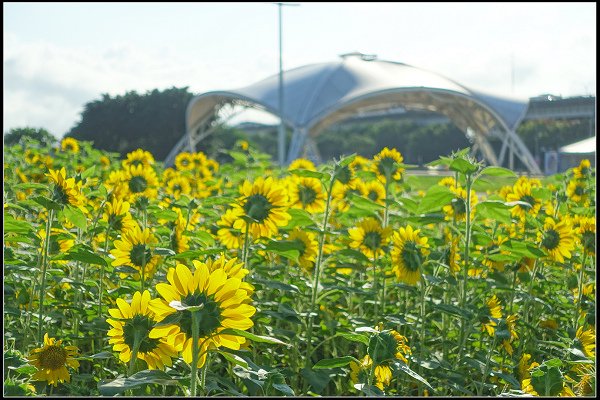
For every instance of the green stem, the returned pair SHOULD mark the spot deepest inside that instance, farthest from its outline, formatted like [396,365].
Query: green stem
[422,334]
[580,293]
[487,364]
[375,292]
[195,351]
[245,250]
[137,341]
[101,289]
[44,267]
[317,272]
[463,299]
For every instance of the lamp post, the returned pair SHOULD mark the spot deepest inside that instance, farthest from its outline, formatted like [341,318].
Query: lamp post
[281,135]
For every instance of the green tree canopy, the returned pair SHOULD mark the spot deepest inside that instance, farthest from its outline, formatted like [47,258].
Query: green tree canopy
[153,121]
[14,135]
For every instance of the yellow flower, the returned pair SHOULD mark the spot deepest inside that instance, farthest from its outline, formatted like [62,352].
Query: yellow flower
[141,181]
[375,191]
[265,203]
[66,191]
[60,242]
[385,164]
[179,241]
[452,256]
[69,144]
[138,157]
[231,238]
[381,373]
[583,170]
[369,237]
[457,209]
[511,322]
[178,185]
[105,162]
[117,216]
[522,191]
[341,193]
[224,305]
[494,311]
[587,234]
[557,239]
[302,163]
[309,245]
[306,193]
[137,319]
[52,361]
[587,341]
[184,161]
[134,250]
[408,254]
[576,190]
[448,181]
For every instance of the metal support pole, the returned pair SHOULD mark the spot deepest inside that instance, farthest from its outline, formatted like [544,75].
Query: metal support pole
[281,141]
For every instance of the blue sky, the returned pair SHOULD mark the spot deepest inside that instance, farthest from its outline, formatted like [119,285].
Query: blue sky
[59,56]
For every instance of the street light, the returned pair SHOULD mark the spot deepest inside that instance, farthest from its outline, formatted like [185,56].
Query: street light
[281,136]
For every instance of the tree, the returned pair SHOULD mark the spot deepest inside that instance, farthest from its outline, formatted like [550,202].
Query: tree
[154,121]
[14,135]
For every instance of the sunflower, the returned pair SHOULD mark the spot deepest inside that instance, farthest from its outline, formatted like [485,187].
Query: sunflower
[265,203]
[385,164]
[212,166]
[522,191]
[178,185]
[457,209]
[494,313]
[134,250]
[510,324]
[587,234]
[359,372]
[557,239]
[184,161]
[587,341]
[453,254]
[138,157]
[52,361]
[302,163]
[66,191]
[408,254]
[309,245]
[369,237]
[222,302]
[233,267]
[583,170]
[141,181]
[306,193]
[375,192]
[493,247]
[136,320]
[69,144]
[117,216]
[60,242]
[179,241]
[231,238]
[448,181]
[341,193]
[576,191]
[104,162]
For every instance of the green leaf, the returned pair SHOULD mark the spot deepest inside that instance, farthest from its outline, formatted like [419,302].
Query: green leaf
[497,171]
[334,362]
[168,215]
[300,218]
[83,253]
[463,166]
[233,358]
[289,249]
[76,217]
[253,337]
[88,172]
[354,337]
[305,173]
[30,185]
[13,225]
[138,379]
[206,238]
[435,197]
[47,203]
[346,160]
[277,285]
[318,379]
[161,251]
[493,209]
[404,368]
[363,203]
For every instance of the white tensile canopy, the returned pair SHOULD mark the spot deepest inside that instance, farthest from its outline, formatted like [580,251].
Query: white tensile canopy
[319,95]
[584,146]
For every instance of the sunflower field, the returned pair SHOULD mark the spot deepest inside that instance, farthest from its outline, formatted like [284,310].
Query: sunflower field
[242,278]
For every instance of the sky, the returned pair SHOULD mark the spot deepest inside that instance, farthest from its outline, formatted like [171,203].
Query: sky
[60,56]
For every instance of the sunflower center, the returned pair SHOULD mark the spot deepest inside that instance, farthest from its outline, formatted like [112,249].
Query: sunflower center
[411,255]
[140,255]
[387,166]
[140,325]
[459,206]
[210,314]
[527,199]
[302,246]
[135,163]
[373,195]
[551,239]
[307,195]
[344,175]
[257,207]
[589,241]
[579,190]
[372,240]
[138,184]
[53,357]
[59,195]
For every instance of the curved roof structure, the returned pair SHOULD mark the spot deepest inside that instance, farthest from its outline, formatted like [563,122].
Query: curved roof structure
[319,95]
